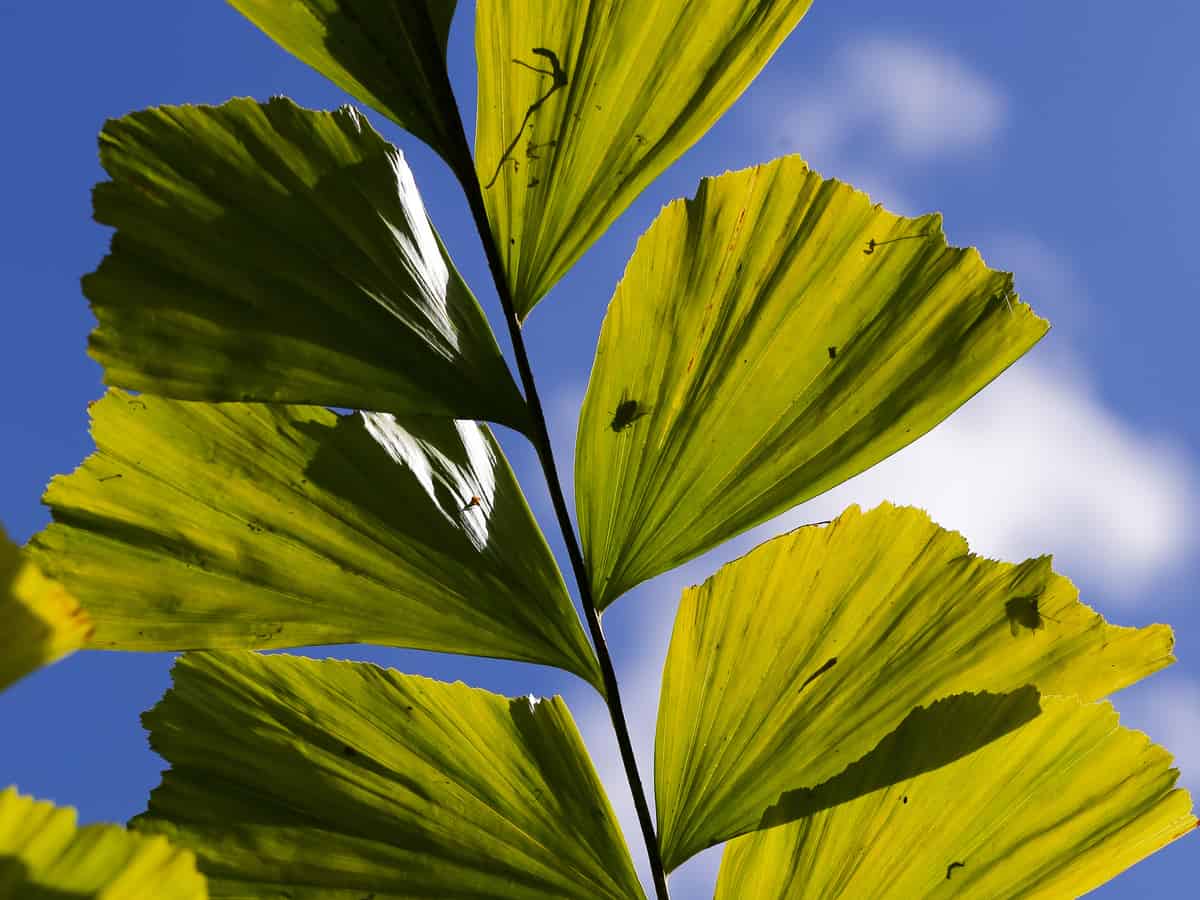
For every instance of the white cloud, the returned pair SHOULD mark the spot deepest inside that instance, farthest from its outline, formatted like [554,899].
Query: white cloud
[1036,464]
[926,101]
[907,99]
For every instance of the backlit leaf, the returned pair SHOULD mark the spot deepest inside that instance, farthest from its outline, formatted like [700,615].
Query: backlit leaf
[245,525]
[297,778]
[390,55]
[43,856]
[1052,810]
[583,104]
[833,644]
[39,621]
[268,252]
[772,337]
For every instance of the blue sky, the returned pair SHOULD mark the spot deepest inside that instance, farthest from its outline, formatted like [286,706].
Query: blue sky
[1060,139]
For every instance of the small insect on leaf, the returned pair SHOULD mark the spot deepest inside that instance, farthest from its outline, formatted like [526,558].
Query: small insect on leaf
[1023,612]
[472,503]
[628,412]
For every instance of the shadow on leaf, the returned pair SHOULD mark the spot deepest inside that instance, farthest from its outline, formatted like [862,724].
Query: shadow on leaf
[928,738]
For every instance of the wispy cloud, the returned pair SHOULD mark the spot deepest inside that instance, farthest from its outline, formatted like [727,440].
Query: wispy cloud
[926,101]
[908,99]
[1037,464]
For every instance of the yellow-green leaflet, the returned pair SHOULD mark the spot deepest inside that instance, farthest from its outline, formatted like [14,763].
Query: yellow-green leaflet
[390,54]
[201,525]
[781,334]
[583,103]
[296,778]
[271,253]
[43,856]
[1052,810]
[830,645]
[39,621]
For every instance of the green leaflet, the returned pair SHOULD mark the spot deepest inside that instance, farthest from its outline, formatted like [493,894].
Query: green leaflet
[242,525]
[1052,810]
[583,104]
[777,335]
[829,644]
[268,252]
[293,777]
[390,55]
[39,621]
[43,856]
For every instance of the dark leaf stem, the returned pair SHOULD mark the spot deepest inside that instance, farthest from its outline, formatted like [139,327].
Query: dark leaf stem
[464,170]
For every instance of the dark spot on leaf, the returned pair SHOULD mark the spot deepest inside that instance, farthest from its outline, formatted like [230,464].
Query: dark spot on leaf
[833,352]
[904,799]
[109,477]
[1022,612]
[872,243]
[349,751]
[628,412]
[829,664]
[954,865]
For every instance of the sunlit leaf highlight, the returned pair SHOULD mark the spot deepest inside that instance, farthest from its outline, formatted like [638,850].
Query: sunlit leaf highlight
[835,644]
[775,335]
[583,104]
[245,525]
[1052,810]
[266,252]
[304,778]
[44,856]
